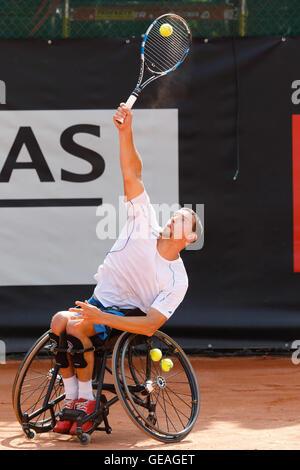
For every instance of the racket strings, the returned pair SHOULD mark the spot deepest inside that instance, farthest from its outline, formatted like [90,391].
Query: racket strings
[166,51]
[156,63]
[162,53]
[176,37]
[162,58]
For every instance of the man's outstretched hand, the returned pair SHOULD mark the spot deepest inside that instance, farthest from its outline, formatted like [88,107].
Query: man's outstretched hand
[125,114]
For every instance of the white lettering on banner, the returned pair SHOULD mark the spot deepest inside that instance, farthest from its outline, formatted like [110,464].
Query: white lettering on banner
[55,166]
[296,94]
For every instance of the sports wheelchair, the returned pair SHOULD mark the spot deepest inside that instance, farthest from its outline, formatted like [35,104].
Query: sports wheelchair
[165,405]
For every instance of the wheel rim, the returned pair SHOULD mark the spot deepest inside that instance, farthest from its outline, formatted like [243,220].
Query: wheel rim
[165,404]
[32,385]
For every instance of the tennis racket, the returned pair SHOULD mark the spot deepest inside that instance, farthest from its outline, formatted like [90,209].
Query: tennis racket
[165,45]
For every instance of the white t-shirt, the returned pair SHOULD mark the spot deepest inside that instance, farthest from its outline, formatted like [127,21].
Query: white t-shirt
[134,274]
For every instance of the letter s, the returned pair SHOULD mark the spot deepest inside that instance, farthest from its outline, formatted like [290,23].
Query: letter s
[94,158]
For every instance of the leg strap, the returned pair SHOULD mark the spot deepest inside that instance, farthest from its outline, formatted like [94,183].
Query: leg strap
[69,344]
[59,348]
[77,350]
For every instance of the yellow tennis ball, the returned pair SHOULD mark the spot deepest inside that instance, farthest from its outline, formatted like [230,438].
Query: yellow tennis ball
[155,354]
[166,364]
[166,30]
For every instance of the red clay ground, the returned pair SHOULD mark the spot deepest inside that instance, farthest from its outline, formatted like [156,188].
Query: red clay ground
[246,403]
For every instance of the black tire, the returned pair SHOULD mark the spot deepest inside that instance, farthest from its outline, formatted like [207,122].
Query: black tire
[31,385]
[85,439]
[165,405]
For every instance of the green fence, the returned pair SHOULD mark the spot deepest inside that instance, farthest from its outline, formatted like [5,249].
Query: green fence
[95,18]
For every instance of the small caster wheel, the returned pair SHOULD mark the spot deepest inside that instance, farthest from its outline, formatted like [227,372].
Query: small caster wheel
[85,439]
[30,434]
[108,430]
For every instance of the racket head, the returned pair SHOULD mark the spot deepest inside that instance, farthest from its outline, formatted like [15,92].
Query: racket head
[162,54]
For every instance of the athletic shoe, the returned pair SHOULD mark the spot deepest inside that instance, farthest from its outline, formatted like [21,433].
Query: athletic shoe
[65,426]
[88,406]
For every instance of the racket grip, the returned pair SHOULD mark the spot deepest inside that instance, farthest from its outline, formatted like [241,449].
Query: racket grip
[129,103]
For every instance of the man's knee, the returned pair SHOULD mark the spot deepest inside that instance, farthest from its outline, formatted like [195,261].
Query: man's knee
[80,329]
[59,321]
[74,328]
[79,338]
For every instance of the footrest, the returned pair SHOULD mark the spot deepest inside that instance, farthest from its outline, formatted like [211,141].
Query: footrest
[70,415]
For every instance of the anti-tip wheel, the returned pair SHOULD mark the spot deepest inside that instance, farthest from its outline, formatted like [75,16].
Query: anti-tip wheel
[30,434]
[85,439]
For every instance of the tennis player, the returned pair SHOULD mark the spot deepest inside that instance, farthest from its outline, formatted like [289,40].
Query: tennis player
[143,270]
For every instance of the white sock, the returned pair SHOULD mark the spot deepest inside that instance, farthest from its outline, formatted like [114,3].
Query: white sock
[71,387]
[85,390]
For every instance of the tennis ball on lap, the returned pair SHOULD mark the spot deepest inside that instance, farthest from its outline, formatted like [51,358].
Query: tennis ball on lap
[166,365]
[155,354]
[166,30]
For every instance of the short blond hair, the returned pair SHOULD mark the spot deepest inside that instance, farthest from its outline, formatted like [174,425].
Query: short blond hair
[197,226]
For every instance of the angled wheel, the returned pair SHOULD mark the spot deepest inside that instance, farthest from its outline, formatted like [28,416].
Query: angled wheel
[163,403]
[31,387]
[85,439]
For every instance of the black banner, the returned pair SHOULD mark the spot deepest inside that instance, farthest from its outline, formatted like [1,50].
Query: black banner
[235,100]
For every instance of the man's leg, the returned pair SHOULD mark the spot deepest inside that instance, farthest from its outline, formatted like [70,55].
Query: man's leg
[83,331]
[58,326]
[86,400]
[77,389]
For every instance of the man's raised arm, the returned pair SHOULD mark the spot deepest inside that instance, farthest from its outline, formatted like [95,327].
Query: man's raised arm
[130,160]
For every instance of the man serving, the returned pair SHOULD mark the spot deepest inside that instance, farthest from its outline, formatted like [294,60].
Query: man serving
[143,270]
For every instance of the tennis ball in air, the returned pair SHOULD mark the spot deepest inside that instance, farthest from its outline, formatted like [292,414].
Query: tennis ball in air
[166,365]
[166,30]
[155,354]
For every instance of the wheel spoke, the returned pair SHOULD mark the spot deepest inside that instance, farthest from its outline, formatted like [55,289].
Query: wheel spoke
[175,393]
[166,414]
[176,373]
[175,409]
[42,386]
[34,378]
[31,389]
[179,410]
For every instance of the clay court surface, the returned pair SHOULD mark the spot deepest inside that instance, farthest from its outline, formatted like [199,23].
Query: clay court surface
[247,403]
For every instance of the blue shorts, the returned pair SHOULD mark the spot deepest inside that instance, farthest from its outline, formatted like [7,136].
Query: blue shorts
[101,329]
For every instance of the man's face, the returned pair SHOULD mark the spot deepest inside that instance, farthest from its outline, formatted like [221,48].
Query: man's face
[179,226]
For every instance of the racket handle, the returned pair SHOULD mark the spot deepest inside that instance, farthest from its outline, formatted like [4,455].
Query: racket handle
[129,103]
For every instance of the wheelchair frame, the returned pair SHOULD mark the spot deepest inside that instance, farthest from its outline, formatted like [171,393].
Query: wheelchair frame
[131,396]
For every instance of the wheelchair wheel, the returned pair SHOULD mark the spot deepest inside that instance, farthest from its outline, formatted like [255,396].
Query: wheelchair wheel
[33,407]
[164,404]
